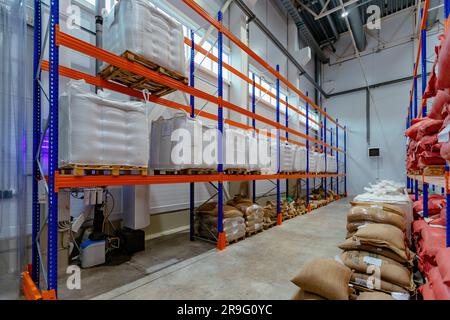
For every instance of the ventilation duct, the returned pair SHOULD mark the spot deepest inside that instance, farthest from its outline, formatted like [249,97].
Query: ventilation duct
[304,32]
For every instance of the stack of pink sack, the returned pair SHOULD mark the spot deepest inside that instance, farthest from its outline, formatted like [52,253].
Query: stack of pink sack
[437,286]
[435,204]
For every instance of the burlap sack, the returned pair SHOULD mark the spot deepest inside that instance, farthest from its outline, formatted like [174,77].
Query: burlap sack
[383,235]
[377,215]
[389,270]
[368,282]
[374,296]
[386,207]
[304,295]
[326,278]
[352,244]
[212,210]
[352,227]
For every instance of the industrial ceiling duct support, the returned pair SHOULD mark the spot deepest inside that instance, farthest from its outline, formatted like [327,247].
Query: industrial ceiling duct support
[330,21]
[303,30]
[356,25]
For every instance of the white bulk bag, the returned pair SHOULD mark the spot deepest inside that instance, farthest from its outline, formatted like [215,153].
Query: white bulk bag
[300,159]
[95,130]
[331,164]
[252,151]
[235,144]
[170,150]
[320,164]
[313,158]
[138,26]
[287,157]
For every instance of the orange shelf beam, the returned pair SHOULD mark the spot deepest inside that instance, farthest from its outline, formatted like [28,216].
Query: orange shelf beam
[70,181]
[236,72]
[194,6]
[99,82]
[103,55]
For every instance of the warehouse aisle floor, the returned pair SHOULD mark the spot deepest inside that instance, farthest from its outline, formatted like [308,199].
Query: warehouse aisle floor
[260,267]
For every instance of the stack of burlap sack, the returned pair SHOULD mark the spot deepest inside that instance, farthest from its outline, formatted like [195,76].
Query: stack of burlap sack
[288,209]
[233,222]
[270,212]
[327,279]
[300,206]
[252,213]
[376,249]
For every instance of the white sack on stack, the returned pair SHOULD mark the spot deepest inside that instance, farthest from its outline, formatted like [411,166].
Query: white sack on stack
[287,153]
[331,164]
[95,130]
[320,164]
[313,159]
[300,159]
[235,144]
[179,143]
[138,26]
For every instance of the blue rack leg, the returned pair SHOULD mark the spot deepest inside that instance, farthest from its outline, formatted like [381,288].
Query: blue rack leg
[52,262]
[416,190]
[337,157]
[36,214]
[192,102]
[425,200]
[279,216]
[307,153]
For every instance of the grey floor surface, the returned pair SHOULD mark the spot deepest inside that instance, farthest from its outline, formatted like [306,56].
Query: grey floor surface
[260,267]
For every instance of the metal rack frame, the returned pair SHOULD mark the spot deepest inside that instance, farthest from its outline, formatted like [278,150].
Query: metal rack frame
[413,112]
[56,181]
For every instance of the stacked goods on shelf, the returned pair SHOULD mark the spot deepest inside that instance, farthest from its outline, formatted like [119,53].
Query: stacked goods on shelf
[332,165]
[435,205]
[287,154]
[288,210]
[313,159]
[320,163]
[253,213]
[235,141]
[323,279]
[177,143]
[300,159]
[233,222]
[377,248]
[96,130]
[423,146]
[139,27]
[270,213]
[300,206]
[438,284]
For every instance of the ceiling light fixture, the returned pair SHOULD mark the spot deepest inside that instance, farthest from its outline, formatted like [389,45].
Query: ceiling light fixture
[344,14]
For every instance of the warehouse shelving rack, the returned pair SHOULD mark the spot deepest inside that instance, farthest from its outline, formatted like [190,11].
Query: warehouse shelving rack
[56,182]
[413,181]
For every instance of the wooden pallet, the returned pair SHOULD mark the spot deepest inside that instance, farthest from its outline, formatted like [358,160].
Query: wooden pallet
[237,171]
[435,170]
[236,240]
[289,173]
[192,171]
[270,225]
[132,80]
[252,233]
[102,170]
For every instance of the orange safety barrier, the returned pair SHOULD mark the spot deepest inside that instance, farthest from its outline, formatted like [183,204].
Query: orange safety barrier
[247,79]
[103,55]
[70,181]
[99,82]
[194,6]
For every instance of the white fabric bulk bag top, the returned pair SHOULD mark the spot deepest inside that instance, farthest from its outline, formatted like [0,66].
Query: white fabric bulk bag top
[95,130]
[140,27]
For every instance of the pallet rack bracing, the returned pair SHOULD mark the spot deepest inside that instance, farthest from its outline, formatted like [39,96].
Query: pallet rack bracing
[443,181]
[55,182]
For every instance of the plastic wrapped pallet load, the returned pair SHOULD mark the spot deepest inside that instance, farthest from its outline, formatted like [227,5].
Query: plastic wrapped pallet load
[140,27]
[253,213]
[207,222]
[235,144]
[331,164]
[96,130]
[300,159]
[178,143]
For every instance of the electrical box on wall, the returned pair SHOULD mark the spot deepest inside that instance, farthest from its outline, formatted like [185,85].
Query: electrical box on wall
[374,152]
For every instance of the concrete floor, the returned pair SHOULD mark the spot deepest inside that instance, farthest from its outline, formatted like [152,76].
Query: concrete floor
[260,267]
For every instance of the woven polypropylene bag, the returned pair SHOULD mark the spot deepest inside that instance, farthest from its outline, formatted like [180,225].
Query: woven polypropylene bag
[325,277]
[374,296]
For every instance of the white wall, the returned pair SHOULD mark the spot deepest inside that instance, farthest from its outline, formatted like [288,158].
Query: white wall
[389,59]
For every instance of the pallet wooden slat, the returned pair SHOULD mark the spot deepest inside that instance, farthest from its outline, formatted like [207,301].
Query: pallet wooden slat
[109,170]
[132,80]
